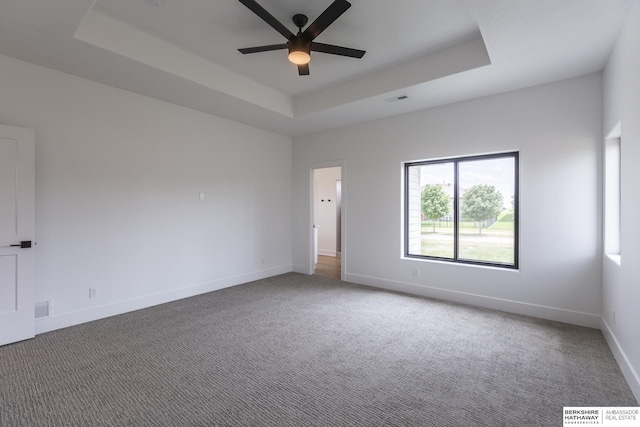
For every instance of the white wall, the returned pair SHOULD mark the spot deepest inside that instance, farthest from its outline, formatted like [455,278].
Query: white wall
[118,178]
[556,127]
[621,285]
[326,209]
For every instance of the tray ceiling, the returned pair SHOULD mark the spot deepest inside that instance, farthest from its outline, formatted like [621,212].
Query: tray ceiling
[434,51]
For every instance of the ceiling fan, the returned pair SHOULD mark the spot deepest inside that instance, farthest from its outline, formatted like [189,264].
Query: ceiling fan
[300,45]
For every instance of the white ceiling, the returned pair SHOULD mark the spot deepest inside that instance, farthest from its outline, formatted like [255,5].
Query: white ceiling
[215,30]
[434,51]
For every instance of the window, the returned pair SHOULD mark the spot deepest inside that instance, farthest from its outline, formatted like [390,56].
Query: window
[463,210]
[612,197]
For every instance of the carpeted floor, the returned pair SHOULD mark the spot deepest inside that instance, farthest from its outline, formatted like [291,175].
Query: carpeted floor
[298,350]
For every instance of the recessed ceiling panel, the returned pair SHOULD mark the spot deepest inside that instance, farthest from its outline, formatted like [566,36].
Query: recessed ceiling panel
[390,32]
[185,52]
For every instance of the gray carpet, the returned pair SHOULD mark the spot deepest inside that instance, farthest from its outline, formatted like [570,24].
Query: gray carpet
[296,350]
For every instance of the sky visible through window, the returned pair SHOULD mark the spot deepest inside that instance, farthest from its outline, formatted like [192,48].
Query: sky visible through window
[498,172]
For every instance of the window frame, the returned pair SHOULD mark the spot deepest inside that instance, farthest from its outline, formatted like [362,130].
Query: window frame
[456,211]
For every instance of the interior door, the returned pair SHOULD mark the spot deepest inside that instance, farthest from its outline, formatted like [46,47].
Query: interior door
[17,229]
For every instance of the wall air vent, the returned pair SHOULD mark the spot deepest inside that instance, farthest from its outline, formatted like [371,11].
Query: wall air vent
[397,98]
[43,309]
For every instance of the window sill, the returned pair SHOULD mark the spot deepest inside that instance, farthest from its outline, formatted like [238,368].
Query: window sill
[461,264]
[616,258]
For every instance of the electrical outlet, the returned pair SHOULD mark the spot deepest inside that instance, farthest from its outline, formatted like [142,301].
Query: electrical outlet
[93,292]
[262,261]
[416,272]
[614,316]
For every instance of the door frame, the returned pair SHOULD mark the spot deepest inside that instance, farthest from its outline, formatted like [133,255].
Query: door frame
[343,220]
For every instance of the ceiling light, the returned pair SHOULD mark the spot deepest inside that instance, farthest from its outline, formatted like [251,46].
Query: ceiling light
[299,57]
[299,51]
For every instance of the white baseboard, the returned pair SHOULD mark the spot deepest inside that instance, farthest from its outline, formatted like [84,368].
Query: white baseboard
[326,252]
[303,269]
[63,320]
[630,374]
[550,313]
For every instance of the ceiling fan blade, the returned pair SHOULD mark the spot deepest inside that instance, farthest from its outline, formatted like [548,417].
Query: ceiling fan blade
[303,70]
[268,18]
[266,48]
[337,50]
[326,18]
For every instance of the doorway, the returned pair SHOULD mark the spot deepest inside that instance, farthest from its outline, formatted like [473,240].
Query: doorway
[327,222]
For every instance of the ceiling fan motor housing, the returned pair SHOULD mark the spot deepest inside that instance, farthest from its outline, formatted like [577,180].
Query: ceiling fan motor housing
[299,44]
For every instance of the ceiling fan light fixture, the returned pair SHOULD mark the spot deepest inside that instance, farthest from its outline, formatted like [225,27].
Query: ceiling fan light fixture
[299,50]
[299,57]
[300,45]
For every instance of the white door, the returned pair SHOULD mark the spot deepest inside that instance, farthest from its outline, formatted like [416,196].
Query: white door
[17,227]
